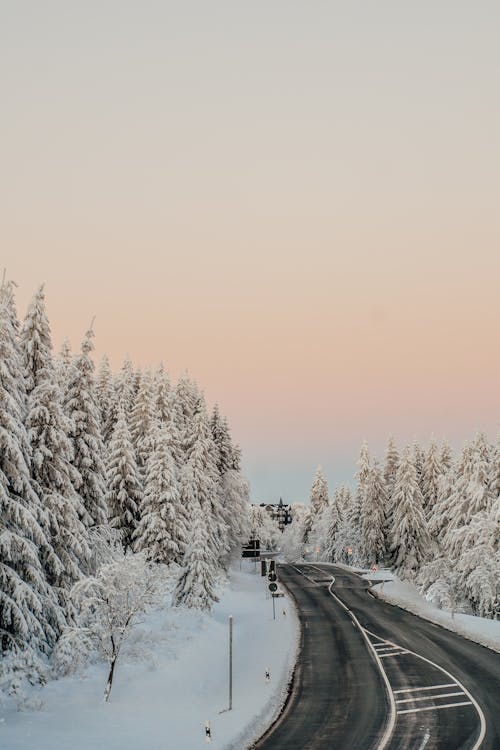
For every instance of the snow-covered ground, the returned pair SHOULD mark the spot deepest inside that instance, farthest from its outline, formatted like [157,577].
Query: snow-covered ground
[163,701]
[406,595]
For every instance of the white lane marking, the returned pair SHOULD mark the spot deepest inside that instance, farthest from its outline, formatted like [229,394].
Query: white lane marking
[427,687]
[392,704]
[426,739]
[435,708]
[428,697]
[394,653]
[482,719]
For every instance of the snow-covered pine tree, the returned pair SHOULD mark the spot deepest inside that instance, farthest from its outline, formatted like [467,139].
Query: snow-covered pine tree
[63,364]
[201,459]
[418,459]
[162,532]
[52,472]
[142,418]
[88,446]
[332,522]
[410,538]
[319,492]
[105,391]
[162,395]
[196,586]
[432,471]
[29,617]
[446,456]
[185,401]
[390,466]
[374,515]
[124,491]
[356,505]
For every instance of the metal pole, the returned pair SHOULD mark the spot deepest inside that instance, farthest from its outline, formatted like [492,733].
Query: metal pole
[230,662]
[274,609]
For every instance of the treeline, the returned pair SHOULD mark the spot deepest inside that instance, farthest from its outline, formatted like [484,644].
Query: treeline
[93,462]
[434,518]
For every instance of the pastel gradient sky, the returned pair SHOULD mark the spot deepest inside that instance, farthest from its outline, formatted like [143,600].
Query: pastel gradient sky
[299,202]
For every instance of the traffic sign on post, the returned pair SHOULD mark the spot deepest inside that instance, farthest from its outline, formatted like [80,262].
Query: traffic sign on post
[272,577]
[273,586]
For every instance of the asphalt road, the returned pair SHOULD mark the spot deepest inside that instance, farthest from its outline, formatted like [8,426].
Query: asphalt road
[357,686]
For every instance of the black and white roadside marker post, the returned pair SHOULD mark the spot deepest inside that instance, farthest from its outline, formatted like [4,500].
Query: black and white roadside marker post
[208,732]
[268,675]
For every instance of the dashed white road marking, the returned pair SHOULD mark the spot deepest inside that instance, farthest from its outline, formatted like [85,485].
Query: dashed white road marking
[428,697]
[392,703]
[426,687]
[435,708]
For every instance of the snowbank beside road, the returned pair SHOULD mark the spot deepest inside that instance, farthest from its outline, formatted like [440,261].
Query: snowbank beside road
[405,595]
[164,701]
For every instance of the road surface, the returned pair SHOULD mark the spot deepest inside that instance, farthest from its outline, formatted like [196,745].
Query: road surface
[372,676]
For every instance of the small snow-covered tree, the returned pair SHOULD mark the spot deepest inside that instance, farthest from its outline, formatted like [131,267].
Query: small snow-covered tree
[319,492]
[162,532]
[410,538]
[86,437]
[124,492]
[374,515]
[196,587]
[110,605]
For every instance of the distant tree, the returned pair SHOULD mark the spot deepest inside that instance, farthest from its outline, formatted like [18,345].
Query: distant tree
[319,492]
[374,515]
[432,470]
[410,537]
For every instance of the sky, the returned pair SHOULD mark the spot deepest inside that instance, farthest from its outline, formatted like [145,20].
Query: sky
[297,202]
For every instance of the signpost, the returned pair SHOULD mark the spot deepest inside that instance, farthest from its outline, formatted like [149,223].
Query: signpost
[230,662]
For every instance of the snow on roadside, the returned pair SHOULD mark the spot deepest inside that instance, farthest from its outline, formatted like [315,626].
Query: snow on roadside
[406,595]
[164,701]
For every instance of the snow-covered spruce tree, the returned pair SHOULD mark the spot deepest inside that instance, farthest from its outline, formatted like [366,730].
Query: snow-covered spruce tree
[86,437]
[390,466]
[122,397]
[234,489]
[494,478]
[141,420]
[196,587]
[355,508]
[124,491]
[162,395]
[52,472]
[374,515]
[478,563]
[332,521]
[29,617]
[348,534]
[162,532]
[319,492]
[201,460]
[105,391]
[418,459]
[432,471]
[446,456]
[185,399]
[409,538]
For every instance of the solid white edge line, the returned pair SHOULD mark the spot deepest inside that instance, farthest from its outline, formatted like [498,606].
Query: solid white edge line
[426,687]
[394,653]
[429,697]
[392,704]
[482,719]
[434,708]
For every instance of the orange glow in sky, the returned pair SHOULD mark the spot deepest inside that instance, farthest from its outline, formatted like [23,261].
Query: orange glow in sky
[297,202]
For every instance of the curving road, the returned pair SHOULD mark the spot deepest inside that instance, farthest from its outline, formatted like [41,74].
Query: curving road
[372,676]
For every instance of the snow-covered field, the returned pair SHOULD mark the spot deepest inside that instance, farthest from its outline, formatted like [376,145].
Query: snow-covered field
[405,595]
[162,702]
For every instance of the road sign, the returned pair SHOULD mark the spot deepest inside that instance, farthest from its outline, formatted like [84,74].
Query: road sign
[374,568]
[272,566]
[273,587]
[278,594]
[349,550]
[263,567]
[272,577]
